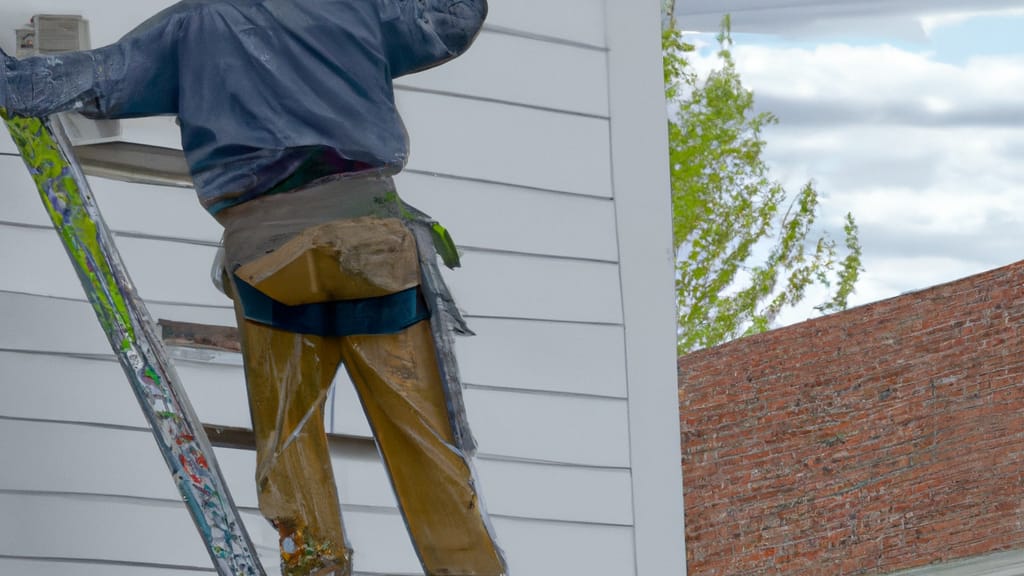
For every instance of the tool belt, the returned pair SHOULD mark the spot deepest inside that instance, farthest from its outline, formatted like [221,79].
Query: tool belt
[340,278]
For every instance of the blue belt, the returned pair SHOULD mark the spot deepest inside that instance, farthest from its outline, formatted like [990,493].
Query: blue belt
[379,315]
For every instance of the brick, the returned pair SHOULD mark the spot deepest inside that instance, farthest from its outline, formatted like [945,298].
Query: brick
[882,438]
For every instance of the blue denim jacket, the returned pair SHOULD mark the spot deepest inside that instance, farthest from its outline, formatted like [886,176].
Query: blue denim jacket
[269,93]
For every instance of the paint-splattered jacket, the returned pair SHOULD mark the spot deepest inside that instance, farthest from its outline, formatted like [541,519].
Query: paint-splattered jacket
[270,94]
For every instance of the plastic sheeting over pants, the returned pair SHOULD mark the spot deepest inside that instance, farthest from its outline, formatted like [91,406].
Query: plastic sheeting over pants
[399,384]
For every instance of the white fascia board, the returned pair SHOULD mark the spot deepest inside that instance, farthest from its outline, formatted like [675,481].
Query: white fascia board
[643,216]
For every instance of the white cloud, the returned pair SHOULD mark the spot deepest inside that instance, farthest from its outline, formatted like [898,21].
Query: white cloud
[931,22]
[885,81]
[924,153]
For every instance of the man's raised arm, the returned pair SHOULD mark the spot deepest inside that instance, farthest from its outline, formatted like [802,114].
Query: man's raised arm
[137,76]
[421,34]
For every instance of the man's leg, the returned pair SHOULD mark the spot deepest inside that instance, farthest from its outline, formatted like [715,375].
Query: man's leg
[397,378]
[288,377]
[400,387]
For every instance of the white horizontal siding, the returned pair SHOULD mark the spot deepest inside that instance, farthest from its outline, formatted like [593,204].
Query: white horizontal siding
[129,530]
[141,531]
[6,144]
[41,455]
[571,20]
[472,138]
[579,21]
[494,141]
[573,78]
[68,327]
[522,220]
[538,549]
[162,271]
[21,203]
[496,104]
[552,356]
[217,392]
[158,211]
[489,284]
[568,493]
[503,217]
[597,436]
[526,425]
[515,354]
[533,287]
[38,567]
[55,388]
[98,528]
[508,144]
[50,325]
[590,431]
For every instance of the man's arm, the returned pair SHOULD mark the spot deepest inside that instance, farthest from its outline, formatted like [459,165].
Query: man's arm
[137,76]
[421,34]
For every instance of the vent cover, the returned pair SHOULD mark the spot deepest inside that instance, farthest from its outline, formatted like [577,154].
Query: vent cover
[58,33]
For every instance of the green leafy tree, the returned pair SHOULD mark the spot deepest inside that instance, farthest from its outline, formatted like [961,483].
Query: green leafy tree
[745,248]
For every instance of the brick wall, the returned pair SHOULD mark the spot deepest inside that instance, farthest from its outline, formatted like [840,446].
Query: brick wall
[881,438]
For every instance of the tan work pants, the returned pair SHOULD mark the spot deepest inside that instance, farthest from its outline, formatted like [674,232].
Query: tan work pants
[398,382]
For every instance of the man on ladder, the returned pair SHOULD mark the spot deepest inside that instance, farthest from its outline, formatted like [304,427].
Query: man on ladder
[291,133]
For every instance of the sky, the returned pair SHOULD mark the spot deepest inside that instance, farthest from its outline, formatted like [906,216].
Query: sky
[908,114]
